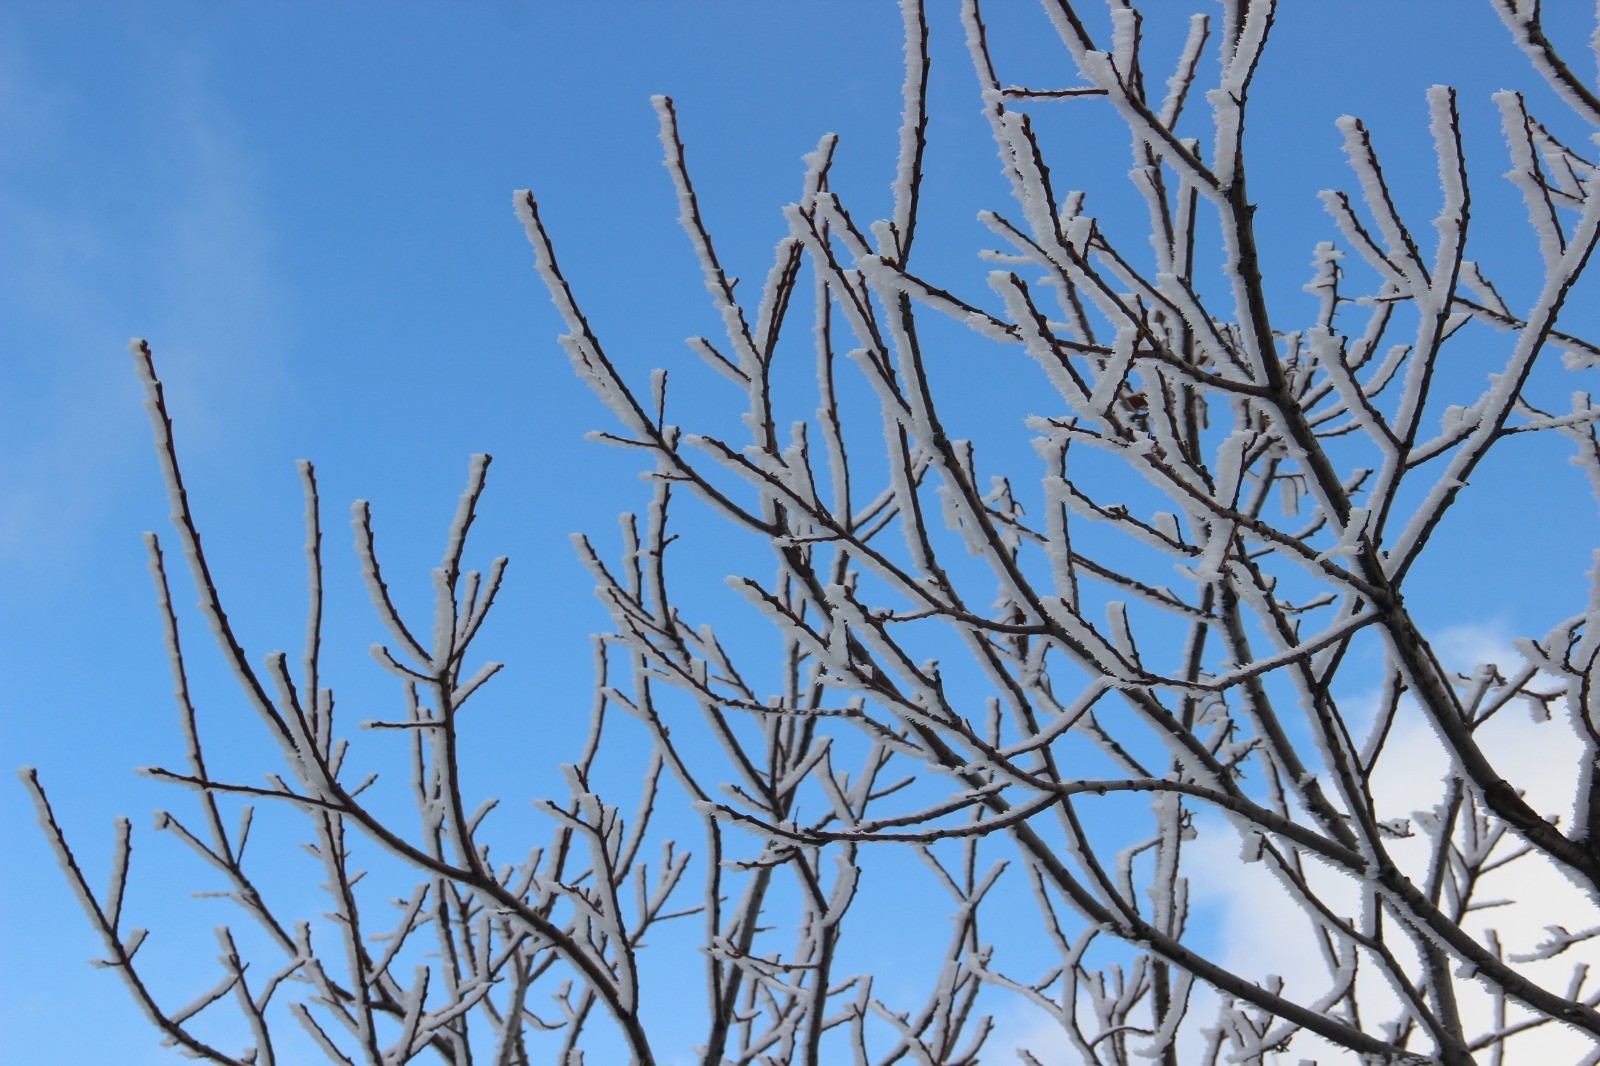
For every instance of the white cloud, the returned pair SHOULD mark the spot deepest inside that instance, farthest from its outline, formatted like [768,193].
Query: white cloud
[1021,1026]
[1264,932]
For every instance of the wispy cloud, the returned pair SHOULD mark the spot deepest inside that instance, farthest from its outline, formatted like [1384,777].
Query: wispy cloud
[159,228]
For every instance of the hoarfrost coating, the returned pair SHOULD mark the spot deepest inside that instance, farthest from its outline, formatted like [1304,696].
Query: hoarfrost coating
[1185,647]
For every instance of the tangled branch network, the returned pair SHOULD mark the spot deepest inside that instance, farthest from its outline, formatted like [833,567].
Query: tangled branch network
[1055,688]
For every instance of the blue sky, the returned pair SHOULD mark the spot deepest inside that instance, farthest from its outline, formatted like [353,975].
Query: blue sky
[306,209]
